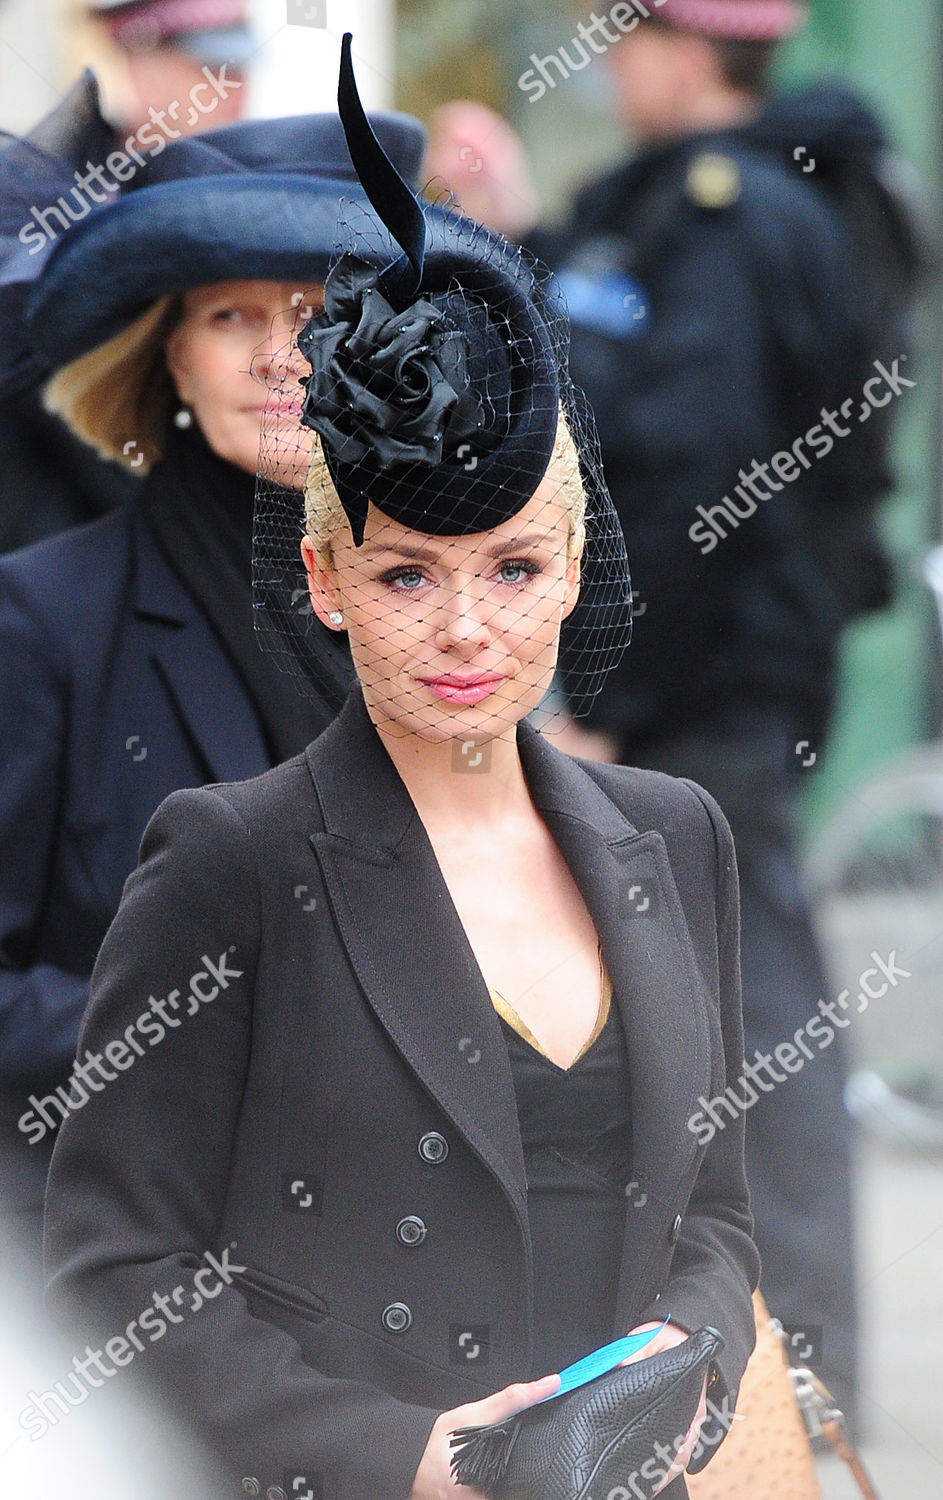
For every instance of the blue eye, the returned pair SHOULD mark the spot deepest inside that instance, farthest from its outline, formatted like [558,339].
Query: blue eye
[521,568]
[403,579]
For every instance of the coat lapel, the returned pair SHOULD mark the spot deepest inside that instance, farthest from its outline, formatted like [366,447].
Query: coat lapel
[207,694]
[407,944]
[626,880]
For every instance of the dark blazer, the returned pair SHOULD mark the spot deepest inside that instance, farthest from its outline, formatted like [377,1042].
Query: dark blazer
[346,1071]
[114,692]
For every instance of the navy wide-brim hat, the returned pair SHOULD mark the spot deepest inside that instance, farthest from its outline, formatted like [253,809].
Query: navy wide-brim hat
[261,199]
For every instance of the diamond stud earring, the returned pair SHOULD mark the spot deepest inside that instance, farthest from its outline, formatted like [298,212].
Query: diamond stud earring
[335,617]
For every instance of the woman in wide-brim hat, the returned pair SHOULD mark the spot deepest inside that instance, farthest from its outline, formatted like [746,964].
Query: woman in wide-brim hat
[420,1128]
[128,662]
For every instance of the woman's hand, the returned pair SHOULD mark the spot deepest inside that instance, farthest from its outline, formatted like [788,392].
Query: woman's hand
[668,1338]
[433,1479]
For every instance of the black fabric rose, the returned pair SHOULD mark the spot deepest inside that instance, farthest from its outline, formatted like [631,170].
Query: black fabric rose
[391,385]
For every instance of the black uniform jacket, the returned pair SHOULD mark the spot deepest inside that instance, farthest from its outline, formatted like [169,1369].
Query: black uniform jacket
[329,1065]
[728,279]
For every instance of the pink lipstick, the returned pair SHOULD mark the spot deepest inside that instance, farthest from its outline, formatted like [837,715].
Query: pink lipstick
[463,689]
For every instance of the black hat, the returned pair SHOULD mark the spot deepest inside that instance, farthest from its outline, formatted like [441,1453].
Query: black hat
[435,379]
[260,199]
[444,404]
[438,377]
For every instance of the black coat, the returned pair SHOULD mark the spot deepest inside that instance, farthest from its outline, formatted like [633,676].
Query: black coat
[326,1089]
[114,692]
[50,479]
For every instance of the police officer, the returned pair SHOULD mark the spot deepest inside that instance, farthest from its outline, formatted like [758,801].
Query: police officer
[712,290]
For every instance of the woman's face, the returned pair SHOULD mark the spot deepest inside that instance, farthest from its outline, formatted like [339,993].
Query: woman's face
[232,358]
[452,637]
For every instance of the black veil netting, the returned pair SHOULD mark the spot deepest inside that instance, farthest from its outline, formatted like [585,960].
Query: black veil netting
[433,378]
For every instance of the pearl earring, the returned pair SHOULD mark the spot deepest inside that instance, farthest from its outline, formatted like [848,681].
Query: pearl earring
[335,617]
[183,418]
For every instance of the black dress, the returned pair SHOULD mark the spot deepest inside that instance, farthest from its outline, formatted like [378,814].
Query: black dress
[577,1137]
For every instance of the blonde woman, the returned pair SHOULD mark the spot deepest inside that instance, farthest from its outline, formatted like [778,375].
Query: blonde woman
[429,1119]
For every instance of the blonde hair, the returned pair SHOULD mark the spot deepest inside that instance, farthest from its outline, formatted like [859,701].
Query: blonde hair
[325,517]
[119,397]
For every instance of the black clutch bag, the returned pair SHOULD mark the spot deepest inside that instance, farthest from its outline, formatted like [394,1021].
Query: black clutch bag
[591,1440]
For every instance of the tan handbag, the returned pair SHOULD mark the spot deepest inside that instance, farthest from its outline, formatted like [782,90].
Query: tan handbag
[767,1455]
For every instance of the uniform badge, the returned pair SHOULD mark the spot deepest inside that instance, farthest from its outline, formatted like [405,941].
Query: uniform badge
[713,180]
